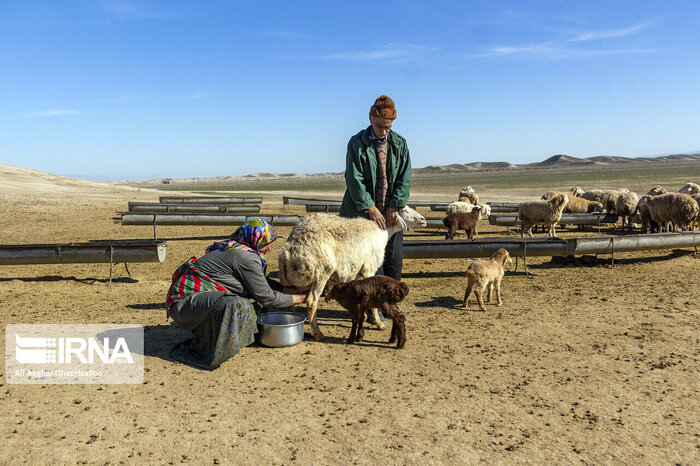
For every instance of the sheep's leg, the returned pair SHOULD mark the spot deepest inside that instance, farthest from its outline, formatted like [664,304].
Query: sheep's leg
[353,332]
[489,292]
[498,291]
[312,304]
[470,288]
[378,322]
[394,333]
[478,293]
[360,324]
[392,313]
[398,326]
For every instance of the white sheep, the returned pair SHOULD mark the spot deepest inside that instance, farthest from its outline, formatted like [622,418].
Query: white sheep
[607,197]
[324,246]
[576,205]
[466,207]
[677,209]
[690,189]
[541,213]
[625,207]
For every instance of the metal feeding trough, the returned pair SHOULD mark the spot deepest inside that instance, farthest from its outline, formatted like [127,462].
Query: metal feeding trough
[566,219]
[193,208]
[210,199]
[109,251]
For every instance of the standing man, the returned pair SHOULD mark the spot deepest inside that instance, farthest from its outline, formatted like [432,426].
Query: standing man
[378,179]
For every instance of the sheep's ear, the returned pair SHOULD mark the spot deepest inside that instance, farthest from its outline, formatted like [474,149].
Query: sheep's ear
[402,223]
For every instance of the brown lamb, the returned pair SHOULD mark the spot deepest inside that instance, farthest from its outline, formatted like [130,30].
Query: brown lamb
[360,296]
[462,220]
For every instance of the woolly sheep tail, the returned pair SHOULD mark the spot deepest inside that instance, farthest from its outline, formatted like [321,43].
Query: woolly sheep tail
[292,274]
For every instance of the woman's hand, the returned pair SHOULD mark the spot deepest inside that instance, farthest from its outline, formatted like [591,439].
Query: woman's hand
[298,298]
[377,216]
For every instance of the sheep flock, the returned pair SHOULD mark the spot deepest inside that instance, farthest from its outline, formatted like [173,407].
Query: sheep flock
[324,252]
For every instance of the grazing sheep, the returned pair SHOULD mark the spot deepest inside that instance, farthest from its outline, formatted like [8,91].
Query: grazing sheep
[607,197]
[461,220]
[625,206]
[648,223]
[690,189]
[576,205]
[657,190]
[676,209]
[486,272]
[542,212]
[359,296]
[463,206]
[323,245]
[468,194]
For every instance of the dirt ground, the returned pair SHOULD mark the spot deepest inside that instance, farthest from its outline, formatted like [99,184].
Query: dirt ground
[580,364]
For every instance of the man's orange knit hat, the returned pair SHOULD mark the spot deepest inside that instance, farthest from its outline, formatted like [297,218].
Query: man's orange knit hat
[383,107]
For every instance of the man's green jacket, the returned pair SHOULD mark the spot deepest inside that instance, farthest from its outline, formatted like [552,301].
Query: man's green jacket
[361,173]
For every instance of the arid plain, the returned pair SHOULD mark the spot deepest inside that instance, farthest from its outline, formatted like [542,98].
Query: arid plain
[592,364]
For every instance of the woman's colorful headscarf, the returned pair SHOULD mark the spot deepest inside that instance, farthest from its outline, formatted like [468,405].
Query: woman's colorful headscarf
[251,236]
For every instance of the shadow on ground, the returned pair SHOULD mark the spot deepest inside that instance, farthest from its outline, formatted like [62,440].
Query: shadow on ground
[58,278]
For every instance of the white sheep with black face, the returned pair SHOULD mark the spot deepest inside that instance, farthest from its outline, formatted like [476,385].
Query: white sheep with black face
[324,246]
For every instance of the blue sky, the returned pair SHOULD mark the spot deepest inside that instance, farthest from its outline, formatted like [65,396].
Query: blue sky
[110,90]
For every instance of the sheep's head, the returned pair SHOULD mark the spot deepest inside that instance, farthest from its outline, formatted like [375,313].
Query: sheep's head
[577,191]
[409,218]
[328,289]
[690,188]
[485,210]
[469,189]
[657,190]
[596,206]
[503,256]
[549,195]
[560,201]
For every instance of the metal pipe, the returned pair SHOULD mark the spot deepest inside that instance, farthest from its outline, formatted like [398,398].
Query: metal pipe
[72,253]
[308,201]
[194,208]
[210,199]
[434,222]
[504,207]
[329,202]
[323,208]
[516,247]
[131,218]
[499,207]
[335,207]
[642,242]
[566,219]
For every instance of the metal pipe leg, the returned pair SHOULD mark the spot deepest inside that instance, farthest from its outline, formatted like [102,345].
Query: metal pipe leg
[111,263]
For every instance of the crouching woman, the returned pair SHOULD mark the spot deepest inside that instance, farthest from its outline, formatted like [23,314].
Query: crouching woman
[218,296]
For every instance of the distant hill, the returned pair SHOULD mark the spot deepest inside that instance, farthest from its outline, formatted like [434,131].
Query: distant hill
[560,161]
[555,161]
